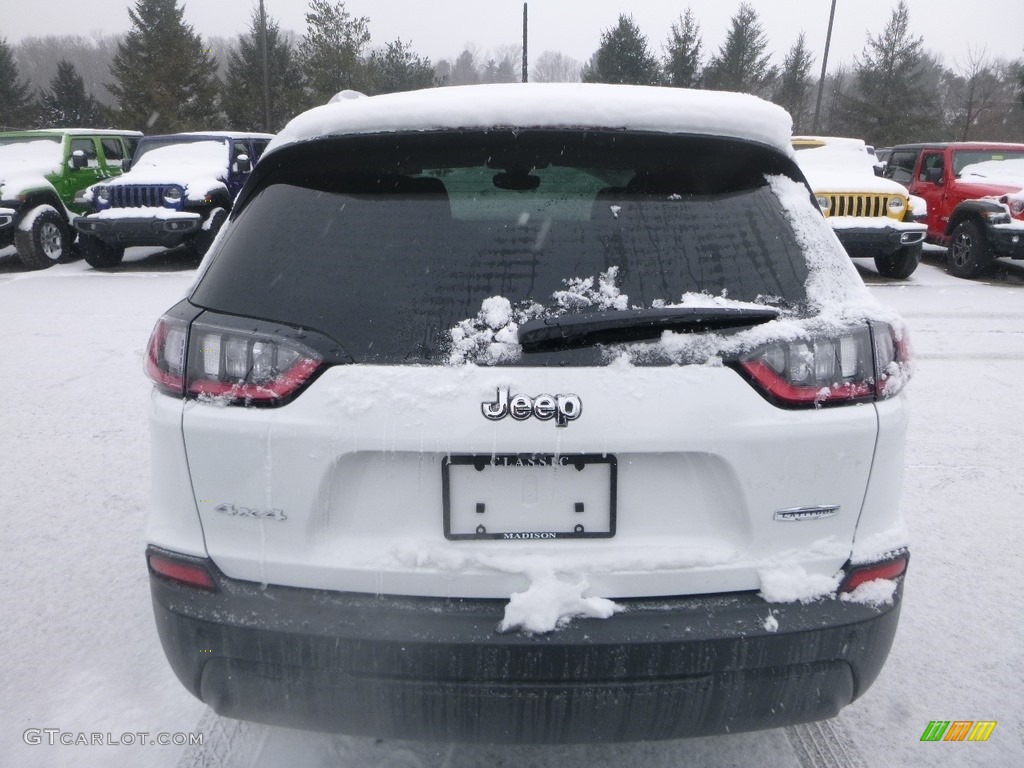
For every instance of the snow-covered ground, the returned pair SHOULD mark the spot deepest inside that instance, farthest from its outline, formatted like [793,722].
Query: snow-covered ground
[80,649]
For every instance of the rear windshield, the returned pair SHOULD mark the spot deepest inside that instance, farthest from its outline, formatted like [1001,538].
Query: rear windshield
[388,243]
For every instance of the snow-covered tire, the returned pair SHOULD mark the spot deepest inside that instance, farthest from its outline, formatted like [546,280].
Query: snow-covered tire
[899,265]
[969,252]
[43,238]
[98,254]
[206,236]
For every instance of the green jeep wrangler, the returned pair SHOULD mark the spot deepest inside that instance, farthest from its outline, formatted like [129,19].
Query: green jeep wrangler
[42,176]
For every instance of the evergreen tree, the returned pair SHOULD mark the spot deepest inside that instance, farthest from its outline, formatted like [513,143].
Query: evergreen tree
[464,71]
[67,104]
[793,88]
[443,72]
[742,63]
[331,52]
[682,53]
[165,77]
[37,57]
[895,96]
[505,66]
[16,105]
[623,57]
[397,68]
[243,98]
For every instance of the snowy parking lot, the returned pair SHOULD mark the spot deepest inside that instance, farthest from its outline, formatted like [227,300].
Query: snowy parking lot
[81,652]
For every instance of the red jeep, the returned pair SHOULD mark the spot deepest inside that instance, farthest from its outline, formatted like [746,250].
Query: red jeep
[975,199]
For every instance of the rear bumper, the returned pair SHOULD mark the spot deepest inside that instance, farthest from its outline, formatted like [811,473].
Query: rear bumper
[166,231]
[436,669]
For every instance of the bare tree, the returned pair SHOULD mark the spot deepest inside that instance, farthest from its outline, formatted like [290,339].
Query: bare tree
[974,89]
[555,67]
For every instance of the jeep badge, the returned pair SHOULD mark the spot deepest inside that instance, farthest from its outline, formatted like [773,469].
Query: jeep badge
[561,408]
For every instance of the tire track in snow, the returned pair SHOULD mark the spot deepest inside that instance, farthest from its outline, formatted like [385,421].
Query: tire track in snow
[226,743]
[824,744]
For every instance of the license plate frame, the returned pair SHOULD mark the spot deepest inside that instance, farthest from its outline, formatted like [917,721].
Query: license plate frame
[523,464]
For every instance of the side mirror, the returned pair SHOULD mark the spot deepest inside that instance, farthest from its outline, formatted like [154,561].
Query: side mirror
[78,159]
[243,164]
[933,175]
[126,164]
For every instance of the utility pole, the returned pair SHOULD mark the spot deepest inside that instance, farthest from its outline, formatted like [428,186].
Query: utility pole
[525,69]
[266,69]
[824,64]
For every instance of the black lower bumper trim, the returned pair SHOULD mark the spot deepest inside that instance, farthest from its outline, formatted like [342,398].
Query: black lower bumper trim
[437,669]
[869,242]
[510,712]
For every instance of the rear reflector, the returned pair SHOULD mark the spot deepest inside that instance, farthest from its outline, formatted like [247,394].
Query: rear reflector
[862,574]
[183,572]
[165,355]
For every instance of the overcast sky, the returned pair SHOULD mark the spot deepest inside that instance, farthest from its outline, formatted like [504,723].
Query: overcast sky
[956,29]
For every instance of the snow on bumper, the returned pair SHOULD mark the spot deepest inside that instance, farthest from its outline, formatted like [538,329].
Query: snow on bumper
[877,235]
[140,226]
[438,668]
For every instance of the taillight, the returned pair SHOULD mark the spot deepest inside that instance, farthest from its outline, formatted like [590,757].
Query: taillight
[234,366]
[862,364]
[183,570]
[861,574]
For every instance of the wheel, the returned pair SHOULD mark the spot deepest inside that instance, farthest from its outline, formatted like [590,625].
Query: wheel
[969,253]
[46,242]
[206,237]
[901,264]
[98,254]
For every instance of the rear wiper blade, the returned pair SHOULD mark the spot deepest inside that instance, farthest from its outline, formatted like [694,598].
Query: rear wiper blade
[626,325]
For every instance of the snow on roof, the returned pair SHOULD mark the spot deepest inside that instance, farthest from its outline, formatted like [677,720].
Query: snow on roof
[217,134]
[531,105]
[212,154]
[199,166]
[76,131]
[843,166]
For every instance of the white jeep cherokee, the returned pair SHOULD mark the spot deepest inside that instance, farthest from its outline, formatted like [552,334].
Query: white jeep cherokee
[528,413]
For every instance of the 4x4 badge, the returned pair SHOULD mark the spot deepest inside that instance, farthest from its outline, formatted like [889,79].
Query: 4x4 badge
[561,408]
[253,512]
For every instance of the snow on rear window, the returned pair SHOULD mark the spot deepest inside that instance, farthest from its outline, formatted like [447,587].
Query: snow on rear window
[835,293]
[1009,172]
